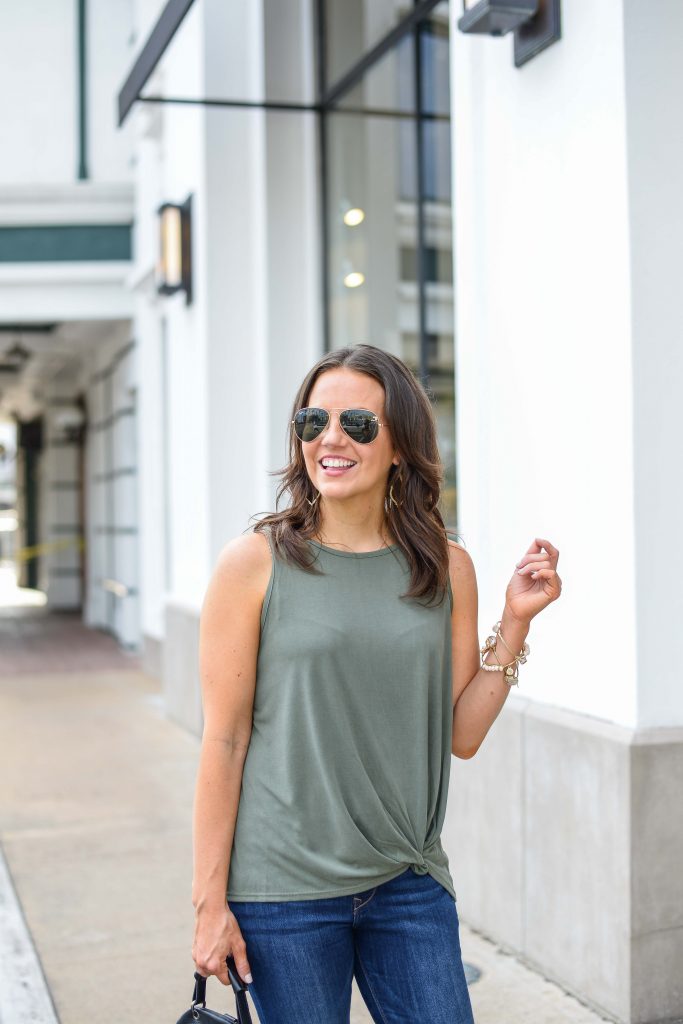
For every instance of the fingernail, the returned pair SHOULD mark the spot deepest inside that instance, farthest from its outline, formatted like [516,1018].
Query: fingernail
[520,572]
[248,978]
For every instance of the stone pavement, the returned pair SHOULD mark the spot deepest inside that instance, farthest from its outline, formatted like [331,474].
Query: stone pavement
[96,793]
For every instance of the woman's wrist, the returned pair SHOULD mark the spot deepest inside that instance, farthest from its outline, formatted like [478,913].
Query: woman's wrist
[208,901]
[514,632]
[514,625]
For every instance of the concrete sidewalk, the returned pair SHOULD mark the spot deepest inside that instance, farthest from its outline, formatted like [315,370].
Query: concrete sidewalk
[96,793]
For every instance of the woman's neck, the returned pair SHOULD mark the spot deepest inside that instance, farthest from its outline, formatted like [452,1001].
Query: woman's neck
[349,539]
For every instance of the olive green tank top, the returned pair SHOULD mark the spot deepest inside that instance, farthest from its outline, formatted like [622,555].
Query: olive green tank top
[346,776]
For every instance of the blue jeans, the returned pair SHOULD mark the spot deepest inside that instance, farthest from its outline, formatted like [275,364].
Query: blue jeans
[399,940]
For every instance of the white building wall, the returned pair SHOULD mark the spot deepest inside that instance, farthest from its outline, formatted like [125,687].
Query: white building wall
[38,108]
[145,16]
[39,91]
[568,227]
[225,368]
[60,512]
[183,173]
[155,451]
[654,89]
[262,271]
[97,610]
[109,379]
[174,505]
[235,271]
[154,509]
[544,344]
[108,52]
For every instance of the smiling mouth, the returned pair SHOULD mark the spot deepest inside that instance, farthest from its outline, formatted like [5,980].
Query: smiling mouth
[336,469]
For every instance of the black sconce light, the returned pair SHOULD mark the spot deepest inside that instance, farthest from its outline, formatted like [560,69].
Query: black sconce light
[174,269]
[535,23]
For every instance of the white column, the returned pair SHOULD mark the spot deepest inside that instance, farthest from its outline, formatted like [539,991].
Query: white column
[260,267]
[544,344]
[654,87]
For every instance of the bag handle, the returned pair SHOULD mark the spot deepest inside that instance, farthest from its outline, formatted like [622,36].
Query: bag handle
[239,987]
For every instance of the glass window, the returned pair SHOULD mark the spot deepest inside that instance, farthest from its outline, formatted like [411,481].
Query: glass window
[387,146]
[368,228]
[438,264]
[388,85]
[352,27]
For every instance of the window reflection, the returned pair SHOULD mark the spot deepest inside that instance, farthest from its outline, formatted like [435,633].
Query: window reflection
[389,232]
[389,85]
[372,311]
[352,27]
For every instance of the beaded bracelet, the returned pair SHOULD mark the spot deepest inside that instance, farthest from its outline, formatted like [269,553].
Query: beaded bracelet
[511,670]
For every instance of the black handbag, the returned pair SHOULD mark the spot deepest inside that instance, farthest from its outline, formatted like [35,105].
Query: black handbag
[200,1012]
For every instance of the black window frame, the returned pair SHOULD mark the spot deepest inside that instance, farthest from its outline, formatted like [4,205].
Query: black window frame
[327,99]
[328,95]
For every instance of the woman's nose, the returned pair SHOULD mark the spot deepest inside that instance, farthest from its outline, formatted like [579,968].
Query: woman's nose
[334,429]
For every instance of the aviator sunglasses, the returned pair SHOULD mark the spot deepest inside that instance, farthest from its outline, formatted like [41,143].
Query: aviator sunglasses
[361,425]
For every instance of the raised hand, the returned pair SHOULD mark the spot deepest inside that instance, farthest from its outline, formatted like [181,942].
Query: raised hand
[535,582]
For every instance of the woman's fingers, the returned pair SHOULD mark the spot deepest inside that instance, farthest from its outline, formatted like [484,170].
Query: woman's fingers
[552,577]
[534,552]
[211,966]
[531,567]
[222,973]
[218,936]
[239,952]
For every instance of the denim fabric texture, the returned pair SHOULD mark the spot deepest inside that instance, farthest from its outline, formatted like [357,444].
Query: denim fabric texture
[400,940]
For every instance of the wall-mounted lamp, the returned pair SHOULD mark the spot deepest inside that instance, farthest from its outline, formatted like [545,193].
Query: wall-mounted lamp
[174,268]
[535,23]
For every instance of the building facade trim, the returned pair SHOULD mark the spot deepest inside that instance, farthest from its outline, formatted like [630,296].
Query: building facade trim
[65,243]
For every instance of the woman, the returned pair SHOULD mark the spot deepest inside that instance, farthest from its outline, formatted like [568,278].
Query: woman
[339,663]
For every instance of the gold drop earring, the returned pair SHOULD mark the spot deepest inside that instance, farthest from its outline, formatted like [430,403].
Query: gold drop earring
[392,499]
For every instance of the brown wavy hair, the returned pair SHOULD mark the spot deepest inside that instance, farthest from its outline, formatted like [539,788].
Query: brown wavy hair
[417,523]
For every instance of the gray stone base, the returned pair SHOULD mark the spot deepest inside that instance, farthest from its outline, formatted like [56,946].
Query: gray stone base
[180,667]
[565,839]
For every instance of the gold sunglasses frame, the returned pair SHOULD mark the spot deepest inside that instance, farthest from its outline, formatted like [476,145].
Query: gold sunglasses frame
[374,416]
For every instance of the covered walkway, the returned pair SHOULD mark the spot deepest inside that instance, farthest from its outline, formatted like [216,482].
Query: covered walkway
[34,639]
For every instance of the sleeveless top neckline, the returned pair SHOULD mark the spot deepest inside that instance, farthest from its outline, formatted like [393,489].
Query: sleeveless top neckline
[354,554]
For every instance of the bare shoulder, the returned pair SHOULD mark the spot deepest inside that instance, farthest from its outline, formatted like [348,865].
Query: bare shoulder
[462,572]
[460,559]
[248,552]
[229,632]
[242,570]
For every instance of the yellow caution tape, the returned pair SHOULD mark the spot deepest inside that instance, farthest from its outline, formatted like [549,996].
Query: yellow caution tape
[26,554]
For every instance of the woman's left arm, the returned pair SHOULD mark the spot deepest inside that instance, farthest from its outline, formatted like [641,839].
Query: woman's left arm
[478,695]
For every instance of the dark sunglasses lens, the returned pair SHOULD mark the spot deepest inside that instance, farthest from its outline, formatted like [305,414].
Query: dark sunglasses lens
[359,424]
[309,423]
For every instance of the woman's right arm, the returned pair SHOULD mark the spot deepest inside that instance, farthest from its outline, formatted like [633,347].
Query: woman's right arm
[229,634]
